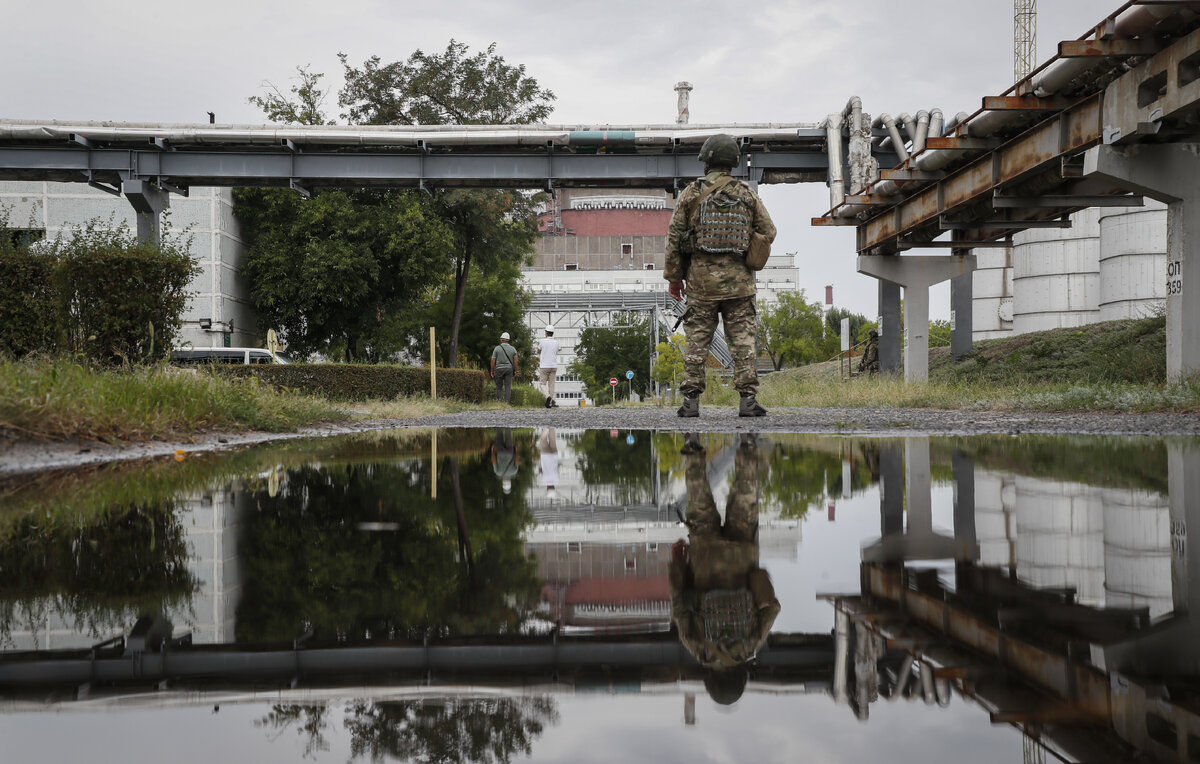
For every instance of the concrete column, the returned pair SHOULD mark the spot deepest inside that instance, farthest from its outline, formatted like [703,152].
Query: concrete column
[916,273]
[917,486]
[889,328]
[149,201]
[891,488]
[962,310]
[963,468]
[1167,173]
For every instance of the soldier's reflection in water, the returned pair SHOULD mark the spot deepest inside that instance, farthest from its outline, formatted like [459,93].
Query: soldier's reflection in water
[722,602]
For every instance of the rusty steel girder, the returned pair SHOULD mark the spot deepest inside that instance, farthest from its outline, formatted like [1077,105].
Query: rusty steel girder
[1039,149]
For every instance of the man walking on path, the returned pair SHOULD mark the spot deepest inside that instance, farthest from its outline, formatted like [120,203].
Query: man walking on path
[504,366]
[548,364]
[711,232]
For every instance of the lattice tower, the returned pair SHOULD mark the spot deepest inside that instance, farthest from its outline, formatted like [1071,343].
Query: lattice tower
[1024,38]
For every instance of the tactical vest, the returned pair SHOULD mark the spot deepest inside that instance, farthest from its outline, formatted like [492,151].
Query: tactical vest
[724,221]
[728,614]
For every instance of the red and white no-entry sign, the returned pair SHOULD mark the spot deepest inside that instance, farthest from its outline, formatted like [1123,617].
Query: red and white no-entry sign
[613,381]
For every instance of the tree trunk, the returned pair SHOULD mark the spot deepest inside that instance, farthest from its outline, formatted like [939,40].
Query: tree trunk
[776,361]
[460,514]
[460,296]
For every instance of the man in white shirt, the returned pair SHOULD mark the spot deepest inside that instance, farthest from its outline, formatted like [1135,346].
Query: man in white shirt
[548,364]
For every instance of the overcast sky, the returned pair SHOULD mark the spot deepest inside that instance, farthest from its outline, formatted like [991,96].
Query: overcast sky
[608,63]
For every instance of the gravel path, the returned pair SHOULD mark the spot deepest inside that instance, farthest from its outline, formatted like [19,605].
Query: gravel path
[28,456]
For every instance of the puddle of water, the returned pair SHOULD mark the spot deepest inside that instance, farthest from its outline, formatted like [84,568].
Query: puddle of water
[391,594]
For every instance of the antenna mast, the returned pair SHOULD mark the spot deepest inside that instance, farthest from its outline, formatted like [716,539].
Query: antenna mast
[1024,38]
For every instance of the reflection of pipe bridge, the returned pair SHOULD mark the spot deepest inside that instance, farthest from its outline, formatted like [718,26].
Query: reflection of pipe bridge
[1084,682]
[785,659]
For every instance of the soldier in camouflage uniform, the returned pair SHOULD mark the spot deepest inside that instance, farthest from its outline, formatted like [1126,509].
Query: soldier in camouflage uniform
[869,364]
[715,278]
[722,601]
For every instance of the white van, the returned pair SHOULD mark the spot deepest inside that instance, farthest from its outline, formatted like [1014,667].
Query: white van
[194,356]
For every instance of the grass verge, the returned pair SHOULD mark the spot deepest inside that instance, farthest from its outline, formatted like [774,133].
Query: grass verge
[1113,366]
[61,400]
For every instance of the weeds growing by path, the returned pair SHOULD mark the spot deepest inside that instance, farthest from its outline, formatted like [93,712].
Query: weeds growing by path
[59,400]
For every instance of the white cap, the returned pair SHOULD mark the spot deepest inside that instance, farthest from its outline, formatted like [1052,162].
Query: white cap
[504,335]
[549,329]
[506,485]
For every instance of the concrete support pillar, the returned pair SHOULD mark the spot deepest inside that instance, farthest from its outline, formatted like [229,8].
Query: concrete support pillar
[149,201]
[1167,173]
[916,273]
[891,488]
[917,486]
[963,468]
[889,328]
[962,310]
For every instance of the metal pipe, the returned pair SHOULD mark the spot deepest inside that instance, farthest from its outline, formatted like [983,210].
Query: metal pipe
[954,122]
[894,133]
[833,145]
[921,133]
[910,125]
[854,111]
[385,135]
[937,122]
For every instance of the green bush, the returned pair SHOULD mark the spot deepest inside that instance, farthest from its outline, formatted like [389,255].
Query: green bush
[357,382]
[26,300]
[97,293]
[120,300]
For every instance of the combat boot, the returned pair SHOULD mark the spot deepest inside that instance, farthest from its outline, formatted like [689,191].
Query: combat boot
[750,406]
[690,407]
[692,444]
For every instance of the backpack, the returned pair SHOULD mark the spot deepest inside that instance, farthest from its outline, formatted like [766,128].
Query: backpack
[724,221]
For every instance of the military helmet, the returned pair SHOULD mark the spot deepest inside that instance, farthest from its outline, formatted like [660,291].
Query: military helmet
[873,333]
[720,150]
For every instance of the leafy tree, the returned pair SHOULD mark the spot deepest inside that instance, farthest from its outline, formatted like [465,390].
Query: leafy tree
[603,353]
[305,105]
[483,730]
[327,271]
[668,362]
[447,88]
[452,565]
[455,87]
[496,302]
[833,322]
[792,331]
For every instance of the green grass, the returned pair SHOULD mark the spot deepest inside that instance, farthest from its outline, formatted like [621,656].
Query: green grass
[1114,366]
[60,400]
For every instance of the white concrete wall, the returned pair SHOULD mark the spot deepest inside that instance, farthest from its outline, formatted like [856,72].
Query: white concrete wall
[992,289]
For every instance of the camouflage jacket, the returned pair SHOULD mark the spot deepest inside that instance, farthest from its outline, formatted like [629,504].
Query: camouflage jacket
[711,276]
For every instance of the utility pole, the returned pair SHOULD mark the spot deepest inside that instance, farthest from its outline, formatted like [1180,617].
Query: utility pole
[1024,38]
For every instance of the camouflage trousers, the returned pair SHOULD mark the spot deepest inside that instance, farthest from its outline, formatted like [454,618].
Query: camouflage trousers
[741,507]
[739,315]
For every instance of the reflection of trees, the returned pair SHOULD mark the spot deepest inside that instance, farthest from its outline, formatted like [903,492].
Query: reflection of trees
[310,720]
[603,460]
[451,730]
[795,476]
[454,564]
[100,575]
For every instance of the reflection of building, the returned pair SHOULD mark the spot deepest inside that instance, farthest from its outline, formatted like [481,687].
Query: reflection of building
[602,550]
[607,242]
[210,526]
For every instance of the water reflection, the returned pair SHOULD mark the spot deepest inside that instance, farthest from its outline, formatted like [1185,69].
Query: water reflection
[1044,581]
[722,601]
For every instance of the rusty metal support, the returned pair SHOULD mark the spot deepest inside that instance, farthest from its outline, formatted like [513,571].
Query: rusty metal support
[1038,149]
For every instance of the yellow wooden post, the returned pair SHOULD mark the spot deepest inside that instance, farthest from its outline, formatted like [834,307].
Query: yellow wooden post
[433,466]
[432,363]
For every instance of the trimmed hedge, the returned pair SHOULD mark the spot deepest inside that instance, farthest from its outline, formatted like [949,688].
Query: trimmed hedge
[356,382]
[110,296]
[26,304]
[96,293]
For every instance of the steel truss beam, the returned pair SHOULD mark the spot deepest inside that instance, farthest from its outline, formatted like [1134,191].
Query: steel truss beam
[238,167]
